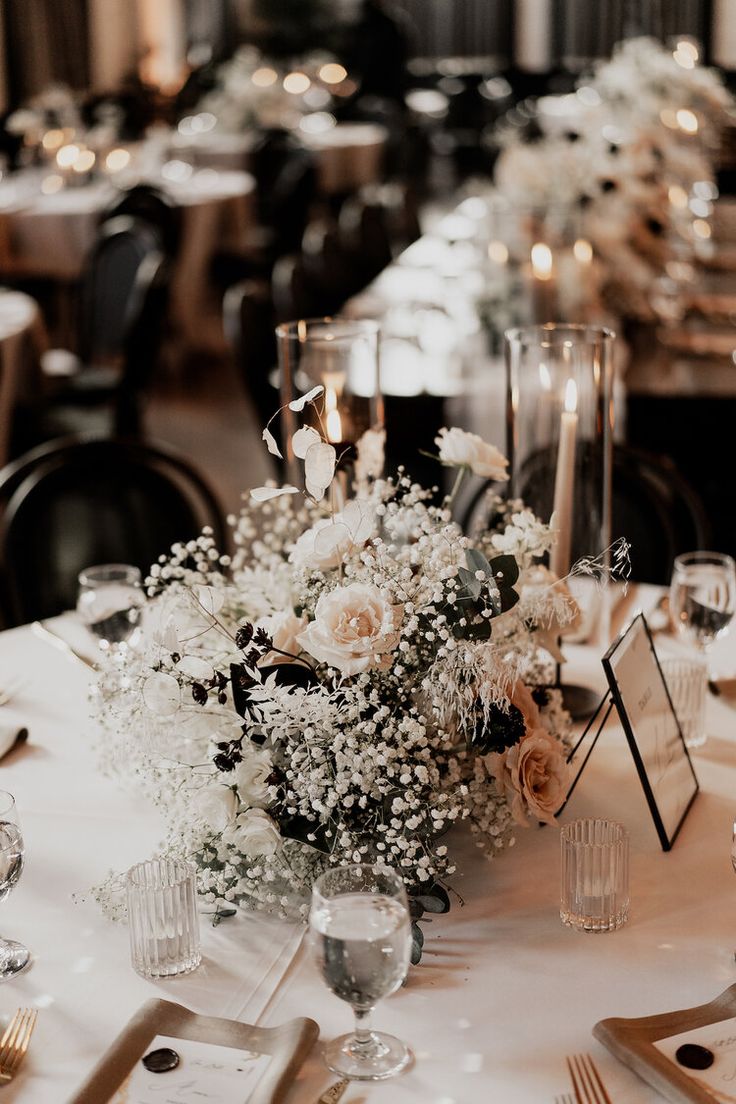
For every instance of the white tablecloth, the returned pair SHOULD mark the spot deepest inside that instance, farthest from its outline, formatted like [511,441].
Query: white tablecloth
[347,156]
[503,992]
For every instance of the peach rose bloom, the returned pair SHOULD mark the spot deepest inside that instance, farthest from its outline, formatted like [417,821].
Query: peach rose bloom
[534,774]
[521,697]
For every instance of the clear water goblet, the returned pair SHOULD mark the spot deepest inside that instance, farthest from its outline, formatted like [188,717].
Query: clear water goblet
[109,603]
[14,957]
[361,937]
[703,596]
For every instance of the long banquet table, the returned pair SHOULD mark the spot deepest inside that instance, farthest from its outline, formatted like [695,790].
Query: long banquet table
[503,992]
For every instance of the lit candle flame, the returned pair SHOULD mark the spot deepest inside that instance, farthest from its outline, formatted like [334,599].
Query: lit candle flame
[571,396]
[334,426]
[333,421]
[67,155]
[498,252]
[583,251]
[687,120]
[542,261]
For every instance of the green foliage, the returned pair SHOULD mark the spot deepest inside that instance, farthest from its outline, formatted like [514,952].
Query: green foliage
[475,598]
[433,899]
[311,832]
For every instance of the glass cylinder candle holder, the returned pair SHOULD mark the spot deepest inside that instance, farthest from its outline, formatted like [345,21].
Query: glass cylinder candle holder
[554,260]
[559,416]
[594,891]
[163,918]
[341,355]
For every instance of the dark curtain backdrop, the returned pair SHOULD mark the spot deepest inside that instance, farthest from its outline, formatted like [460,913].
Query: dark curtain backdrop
[46,42]
[583,29]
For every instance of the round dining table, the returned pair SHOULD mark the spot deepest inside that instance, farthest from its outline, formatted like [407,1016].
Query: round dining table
[51,235]
[503,993]
[347,155]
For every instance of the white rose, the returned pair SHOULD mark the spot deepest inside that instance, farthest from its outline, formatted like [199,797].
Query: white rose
[355,627]
[251,777]
[468,450]
[330,540]
[254,834]
[215,805]
[284,629]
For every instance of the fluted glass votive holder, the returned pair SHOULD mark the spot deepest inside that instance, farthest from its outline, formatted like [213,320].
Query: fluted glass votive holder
[163,918]
[687,682]
[594,875]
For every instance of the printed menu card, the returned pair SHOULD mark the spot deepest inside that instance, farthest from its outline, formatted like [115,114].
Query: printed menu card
[206,1074]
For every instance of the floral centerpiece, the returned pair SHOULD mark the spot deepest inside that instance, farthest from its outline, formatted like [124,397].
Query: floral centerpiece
[631,156]
[253,90]
[356,679]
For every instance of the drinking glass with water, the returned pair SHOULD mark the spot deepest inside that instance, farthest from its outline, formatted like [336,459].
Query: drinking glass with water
[703,596]
[109,603]
[361,936]
[14,957]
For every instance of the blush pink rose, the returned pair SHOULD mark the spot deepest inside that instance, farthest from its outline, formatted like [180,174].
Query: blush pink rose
[534,774]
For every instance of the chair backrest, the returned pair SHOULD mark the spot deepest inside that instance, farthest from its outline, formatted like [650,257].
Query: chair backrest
[653,507]
[286,182]
[142,340]
[248,323]
[327,265]
[111,286]
[364,231]
[295,295]
[658,512]
[151,206]
[79,501]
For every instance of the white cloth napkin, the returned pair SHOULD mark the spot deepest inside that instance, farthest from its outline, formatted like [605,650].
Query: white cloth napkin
[10,735]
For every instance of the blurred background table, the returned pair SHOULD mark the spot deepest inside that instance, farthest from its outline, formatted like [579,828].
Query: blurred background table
[22,340]
[51,236]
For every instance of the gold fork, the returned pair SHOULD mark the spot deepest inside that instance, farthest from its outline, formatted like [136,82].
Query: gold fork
[14,1043]
[586,1081]
[566,1098]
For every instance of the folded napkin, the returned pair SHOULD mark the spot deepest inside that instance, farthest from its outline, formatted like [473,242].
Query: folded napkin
[10,736]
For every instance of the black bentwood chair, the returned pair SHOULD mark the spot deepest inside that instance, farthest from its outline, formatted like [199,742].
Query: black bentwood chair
[123,305]
[75,502]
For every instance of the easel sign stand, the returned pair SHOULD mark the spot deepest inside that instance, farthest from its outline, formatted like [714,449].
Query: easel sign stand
[638,691]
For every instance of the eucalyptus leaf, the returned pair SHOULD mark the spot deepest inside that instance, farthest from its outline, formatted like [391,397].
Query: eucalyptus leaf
[476,561]
[435,900]
[469,581]
[417,943]
[504,570]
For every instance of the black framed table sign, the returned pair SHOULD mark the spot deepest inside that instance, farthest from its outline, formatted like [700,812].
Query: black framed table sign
[653,732]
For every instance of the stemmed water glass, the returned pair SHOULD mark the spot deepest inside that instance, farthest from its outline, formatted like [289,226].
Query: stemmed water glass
[361,936]
[109,603]
[14,957]
[703,596]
